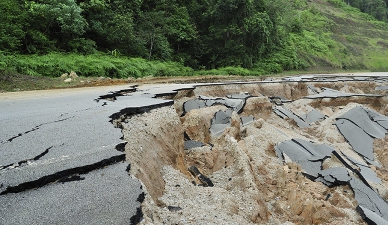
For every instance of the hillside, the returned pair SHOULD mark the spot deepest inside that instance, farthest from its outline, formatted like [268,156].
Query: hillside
[117,39]
[360,39]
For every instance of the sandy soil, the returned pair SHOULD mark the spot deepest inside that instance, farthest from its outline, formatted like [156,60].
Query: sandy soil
[251,184]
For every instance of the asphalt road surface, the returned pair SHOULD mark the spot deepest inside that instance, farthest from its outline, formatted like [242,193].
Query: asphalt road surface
[62,159]
[59,162]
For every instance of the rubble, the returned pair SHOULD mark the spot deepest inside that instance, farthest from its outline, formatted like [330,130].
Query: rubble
[245,158]
[279,151]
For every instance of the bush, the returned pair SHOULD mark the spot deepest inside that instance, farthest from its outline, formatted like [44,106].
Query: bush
[238,71]
[95,65]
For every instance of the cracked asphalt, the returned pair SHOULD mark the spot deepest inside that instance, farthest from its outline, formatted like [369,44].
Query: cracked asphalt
[59,163]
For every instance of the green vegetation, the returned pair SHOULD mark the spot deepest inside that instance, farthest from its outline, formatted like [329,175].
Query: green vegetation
[95,65]
[120,39]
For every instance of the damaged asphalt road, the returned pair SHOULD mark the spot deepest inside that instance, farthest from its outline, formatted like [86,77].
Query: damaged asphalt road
[62,161]
[59,163]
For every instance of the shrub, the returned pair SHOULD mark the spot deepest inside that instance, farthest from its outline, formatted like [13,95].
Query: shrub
[95,65]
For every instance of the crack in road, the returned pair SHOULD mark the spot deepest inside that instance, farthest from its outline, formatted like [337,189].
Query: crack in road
[64,175]
[33,129]
[23,162]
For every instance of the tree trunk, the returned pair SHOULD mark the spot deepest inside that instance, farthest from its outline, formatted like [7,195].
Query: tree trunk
[151,46]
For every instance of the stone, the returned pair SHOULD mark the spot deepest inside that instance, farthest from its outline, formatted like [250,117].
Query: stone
[68,80]
[73,75]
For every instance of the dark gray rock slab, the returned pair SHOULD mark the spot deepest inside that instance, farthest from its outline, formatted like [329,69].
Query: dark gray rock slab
[378,118]
[354,161]
[221,117]
[239,96]
[360,141]
[220,121]
[313,89]
[236,104]
[329,93]
[318,151]
[372,162]
[336,175]
[324,181]
[279,101]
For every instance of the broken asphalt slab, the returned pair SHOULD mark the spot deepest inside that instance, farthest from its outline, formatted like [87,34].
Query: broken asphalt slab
[331,93]
[46,136]
[360,141]
[371,217]
[308,155]
[369,199]
[359,128]
[283,112]
[189,144]
[313,116]
[360,117]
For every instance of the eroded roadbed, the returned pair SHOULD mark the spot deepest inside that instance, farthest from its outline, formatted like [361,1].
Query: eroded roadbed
[302,150]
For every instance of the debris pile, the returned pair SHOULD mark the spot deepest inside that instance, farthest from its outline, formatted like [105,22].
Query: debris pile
[246,157]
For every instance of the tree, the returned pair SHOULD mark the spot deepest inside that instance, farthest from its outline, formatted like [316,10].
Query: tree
[52,23]
[12,23]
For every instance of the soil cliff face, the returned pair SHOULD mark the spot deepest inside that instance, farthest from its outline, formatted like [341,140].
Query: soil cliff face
[251,183]
[152,145]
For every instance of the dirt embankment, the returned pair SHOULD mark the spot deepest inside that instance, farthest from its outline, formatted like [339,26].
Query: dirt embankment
[251,185]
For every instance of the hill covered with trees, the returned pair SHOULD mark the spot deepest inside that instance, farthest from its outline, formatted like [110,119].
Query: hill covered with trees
[119,38]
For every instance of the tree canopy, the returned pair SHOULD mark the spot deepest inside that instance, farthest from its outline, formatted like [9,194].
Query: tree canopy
[197,33]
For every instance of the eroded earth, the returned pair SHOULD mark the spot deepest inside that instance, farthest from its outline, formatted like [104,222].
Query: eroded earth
[294,150]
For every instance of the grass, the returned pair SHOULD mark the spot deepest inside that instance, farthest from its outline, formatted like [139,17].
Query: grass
[13,82]
[96,65]
[333,37]
[358,37]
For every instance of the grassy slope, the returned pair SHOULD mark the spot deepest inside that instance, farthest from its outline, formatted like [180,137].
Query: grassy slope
[361,40]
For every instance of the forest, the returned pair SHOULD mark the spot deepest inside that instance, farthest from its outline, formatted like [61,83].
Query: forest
[265,36]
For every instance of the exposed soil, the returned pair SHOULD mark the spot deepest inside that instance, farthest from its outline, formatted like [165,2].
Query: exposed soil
[251,184]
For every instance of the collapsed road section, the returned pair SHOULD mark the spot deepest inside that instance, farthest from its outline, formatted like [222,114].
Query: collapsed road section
[272,151]
[295,150]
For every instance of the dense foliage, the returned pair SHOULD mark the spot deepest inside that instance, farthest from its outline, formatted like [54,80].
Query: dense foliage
[263,36]
[199,33]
